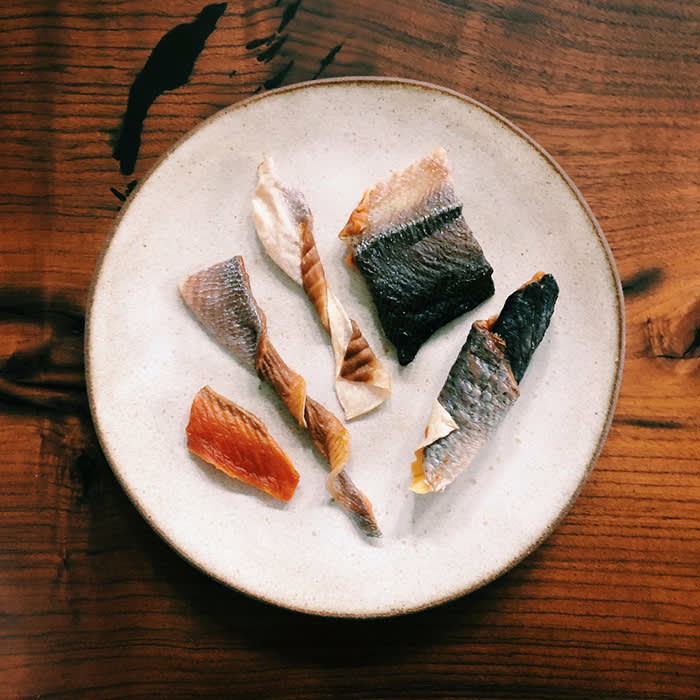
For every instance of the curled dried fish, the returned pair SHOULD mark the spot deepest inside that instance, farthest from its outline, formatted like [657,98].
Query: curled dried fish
[284,224]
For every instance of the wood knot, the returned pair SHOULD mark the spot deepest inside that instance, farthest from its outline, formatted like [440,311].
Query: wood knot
[673,328]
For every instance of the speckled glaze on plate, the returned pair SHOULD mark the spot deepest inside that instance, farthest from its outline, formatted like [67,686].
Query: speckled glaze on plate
[147,357]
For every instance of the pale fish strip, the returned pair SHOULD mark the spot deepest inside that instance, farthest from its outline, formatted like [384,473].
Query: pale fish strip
[284,225]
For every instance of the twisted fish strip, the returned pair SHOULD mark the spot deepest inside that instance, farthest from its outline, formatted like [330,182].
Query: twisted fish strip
[222,301]
[284,224]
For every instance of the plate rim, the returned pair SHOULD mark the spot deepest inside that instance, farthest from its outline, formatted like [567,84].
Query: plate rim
[374,81]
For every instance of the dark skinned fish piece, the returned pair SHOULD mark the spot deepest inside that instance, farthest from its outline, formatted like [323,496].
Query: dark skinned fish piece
[524,319]
[421,262]
[221,299]
[483,384]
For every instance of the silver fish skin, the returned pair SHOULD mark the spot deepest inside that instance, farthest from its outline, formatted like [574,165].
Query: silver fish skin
[220,298]
[483,383]
[478,392]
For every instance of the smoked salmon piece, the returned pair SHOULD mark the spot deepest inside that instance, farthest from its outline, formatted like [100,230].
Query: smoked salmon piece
[221,299]
[284,224]
[239,444]
[422,263]
[483,383]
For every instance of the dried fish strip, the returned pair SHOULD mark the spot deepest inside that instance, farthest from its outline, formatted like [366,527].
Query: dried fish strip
[284,224]
[238,443]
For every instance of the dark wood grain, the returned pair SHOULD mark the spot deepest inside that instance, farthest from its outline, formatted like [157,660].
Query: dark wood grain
[92,602]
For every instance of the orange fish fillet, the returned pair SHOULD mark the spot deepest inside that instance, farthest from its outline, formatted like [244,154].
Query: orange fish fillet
[238,443]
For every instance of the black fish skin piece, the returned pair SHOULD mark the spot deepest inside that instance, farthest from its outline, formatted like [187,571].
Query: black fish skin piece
[524,320]
[423,275]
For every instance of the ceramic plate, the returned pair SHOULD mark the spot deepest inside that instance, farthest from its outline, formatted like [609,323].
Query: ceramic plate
[147,356]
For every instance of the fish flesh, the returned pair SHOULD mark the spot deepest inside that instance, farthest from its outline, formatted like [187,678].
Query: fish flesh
[284,224]
[422,263]
[221,299]
[483,383]
[239,444]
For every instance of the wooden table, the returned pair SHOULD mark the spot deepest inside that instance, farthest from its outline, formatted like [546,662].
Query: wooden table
[94,604]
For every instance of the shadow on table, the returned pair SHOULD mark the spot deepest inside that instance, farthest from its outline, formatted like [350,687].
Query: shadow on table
[338,642]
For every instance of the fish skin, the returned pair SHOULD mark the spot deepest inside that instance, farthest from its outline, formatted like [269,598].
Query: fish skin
[238,443]
[358,360]
[289,386]
[333,441]
[284,224]
[420,285]
[482,384]
[313,275]
[419,258]
[524,320]
[478,391]
[220,298]
[391,203]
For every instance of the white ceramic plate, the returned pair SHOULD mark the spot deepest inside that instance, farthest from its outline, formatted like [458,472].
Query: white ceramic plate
[147,356]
